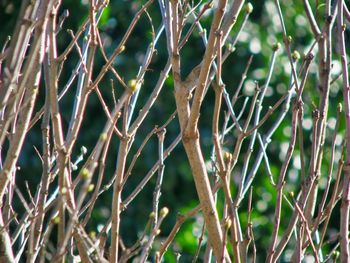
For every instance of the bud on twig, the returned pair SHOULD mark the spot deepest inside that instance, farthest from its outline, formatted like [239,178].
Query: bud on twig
[92,234]
[85,174]
[249,8]
[291,194]
[228,223]
[276,46]
[134,85]
[164,211]
[152,215]
[56,220]
[296,55]
[122,48]
[228,156]
[103,136]
[91,188]
[63,190]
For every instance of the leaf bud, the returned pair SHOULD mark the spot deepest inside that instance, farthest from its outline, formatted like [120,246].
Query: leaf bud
[63,190]
[231,48]
[276,46]
[90,188]
[291,194]
[343,27]
[249,8]
[85,174]
[56,220]
[103,136]
[121,49]
[228,156]
[296,55]
[164,211]
[134,85]
[92,234]
[228,223]
[152,215]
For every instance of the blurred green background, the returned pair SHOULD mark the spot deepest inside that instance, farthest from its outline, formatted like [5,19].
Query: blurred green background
[178,191]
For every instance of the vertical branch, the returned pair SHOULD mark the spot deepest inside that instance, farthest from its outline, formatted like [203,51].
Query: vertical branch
[29,86]
[223,170]
[157,190]
[117,188]
[281,182]
[332,201]
[31,77]
[37,224]
[344,212]
[250,226]
[51,71]
[87,172]
[273,252]
[321,210]
[324,42]
[18,47]
[210,51]
[6,253]
[231,17]
[190,134]
[305,225]
[257,118]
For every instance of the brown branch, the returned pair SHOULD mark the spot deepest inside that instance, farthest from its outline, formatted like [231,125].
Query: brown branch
[345,207]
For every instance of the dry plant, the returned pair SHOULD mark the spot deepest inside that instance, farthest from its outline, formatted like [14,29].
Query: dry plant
[59,208]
